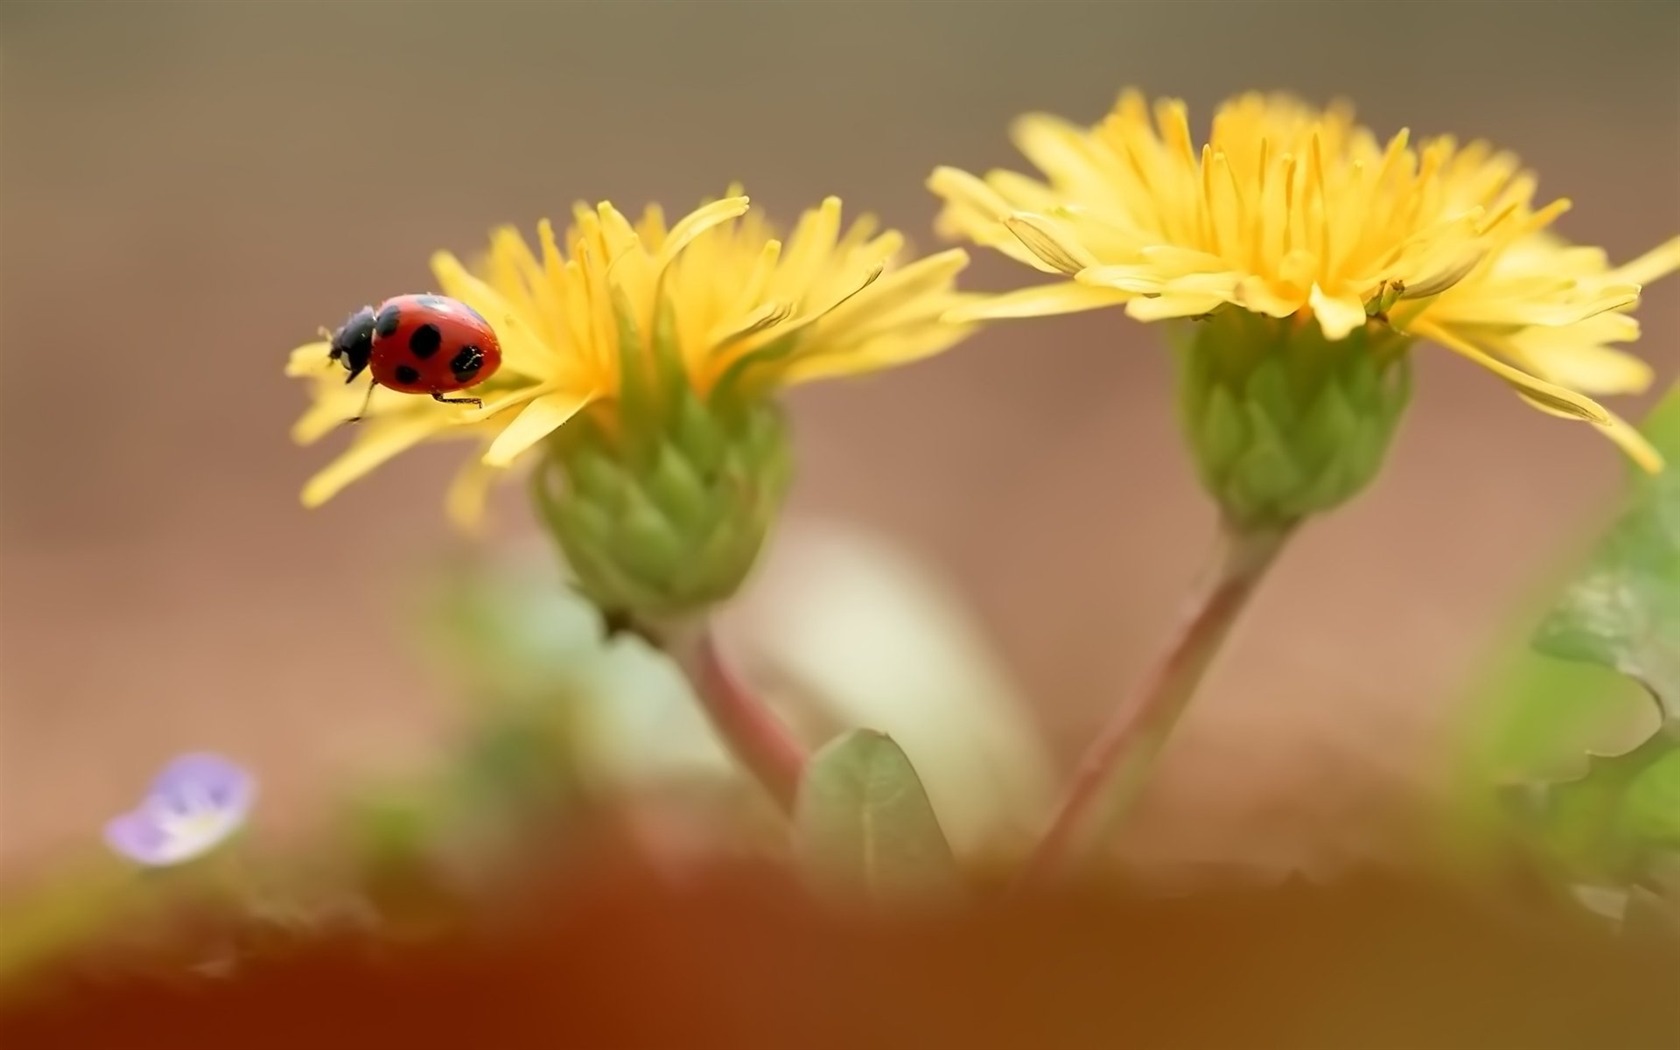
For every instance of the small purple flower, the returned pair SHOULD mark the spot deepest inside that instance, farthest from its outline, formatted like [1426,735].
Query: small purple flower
[193,806]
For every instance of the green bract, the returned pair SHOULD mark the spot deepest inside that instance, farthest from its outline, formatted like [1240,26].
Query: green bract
[1283,424]
[664,527]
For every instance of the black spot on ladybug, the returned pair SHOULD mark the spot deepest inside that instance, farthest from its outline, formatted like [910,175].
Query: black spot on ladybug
[466,364]
[408,375]
[425,341]
[389,319]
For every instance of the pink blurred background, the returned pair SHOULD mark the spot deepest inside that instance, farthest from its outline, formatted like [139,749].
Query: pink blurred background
[190,189]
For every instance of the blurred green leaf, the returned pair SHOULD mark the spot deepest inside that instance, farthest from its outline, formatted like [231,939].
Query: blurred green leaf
[1590,823]
[531,650]
[1622,612]
[863,822]
[1653,799]
[511,627]
[1560,691]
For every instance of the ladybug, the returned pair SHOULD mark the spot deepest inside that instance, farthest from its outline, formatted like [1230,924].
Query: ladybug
[418,344]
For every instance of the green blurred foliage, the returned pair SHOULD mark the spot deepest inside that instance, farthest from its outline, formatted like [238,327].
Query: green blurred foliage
[864,827]
[1582,741]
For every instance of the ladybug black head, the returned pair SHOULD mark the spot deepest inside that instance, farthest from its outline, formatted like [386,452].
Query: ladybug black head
[353,342]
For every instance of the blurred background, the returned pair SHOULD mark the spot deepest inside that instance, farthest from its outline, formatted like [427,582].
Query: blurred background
[191,189]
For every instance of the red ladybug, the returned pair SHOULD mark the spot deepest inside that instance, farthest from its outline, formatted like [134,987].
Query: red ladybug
[419,344]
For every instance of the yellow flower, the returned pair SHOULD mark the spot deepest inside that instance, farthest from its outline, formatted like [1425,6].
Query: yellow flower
[1292,211]
[741,312]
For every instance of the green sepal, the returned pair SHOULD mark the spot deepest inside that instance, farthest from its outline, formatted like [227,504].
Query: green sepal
[676,528]
[667,351]
[1283,424]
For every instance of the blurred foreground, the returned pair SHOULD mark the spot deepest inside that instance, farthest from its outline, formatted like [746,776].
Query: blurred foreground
[617,952]
[585,867]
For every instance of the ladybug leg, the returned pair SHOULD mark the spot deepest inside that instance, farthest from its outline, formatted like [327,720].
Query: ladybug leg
[357,418]
[473,401]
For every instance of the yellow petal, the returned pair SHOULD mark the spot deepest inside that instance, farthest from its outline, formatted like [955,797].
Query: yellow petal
[1589,369]
[764,317]
[696,223]
[652,229]
[1632,442]
[898,347]
[616,232]
[969,193]
[311,359]
[1054,146]
[504,401]
[381,440]
[1623,433]
[1027,193]
[976,210]
[1446,272]
[1554,398]
[1133,279]
[535,421]
[330,409]
[1256,295]
[1660,261]
[1166,307]
[1043,300]
[1338,316]
[469,492]
[1496,305]
[809,246]
[1046,238]
[1174,261]
[911,286]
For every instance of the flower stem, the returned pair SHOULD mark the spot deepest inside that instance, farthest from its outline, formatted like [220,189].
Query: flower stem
[1115,768]
[757,738]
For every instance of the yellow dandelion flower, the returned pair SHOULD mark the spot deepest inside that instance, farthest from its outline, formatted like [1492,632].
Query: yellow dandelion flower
[1293,213]
[643,358]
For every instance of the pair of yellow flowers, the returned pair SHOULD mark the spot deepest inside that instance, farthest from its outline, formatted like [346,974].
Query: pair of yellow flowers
[1287,211]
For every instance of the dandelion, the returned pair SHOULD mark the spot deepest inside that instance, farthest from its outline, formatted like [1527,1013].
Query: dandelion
[640,364]
[1314,254]
[1297,258]
[193,806]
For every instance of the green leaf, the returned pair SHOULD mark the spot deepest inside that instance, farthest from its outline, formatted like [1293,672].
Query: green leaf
[1652,811]
[1624,611]
[863,822]
[1605,817]
[1589,825]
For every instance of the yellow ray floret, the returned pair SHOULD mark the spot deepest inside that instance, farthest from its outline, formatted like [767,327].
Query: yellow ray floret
[1291,210]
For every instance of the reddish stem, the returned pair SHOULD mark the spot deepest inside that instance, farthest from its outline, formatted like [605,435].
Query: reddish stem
[759,740]
[1115,768]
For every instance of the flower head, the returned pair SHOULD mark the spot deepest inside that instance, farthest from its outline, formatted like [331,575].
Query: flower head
[1293,212]
[626,323]
[193,805]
